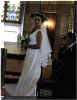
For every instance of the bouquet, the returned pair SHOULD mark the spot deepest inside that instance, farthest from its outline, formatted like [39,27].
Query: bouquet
[25,40]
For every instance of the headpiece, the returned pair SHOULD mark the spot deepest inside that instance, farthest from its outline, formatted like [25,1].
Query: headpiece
[43,17]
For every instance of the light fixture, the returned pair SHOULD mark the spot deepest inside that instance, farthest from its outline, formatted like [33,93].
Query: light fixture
[50,24]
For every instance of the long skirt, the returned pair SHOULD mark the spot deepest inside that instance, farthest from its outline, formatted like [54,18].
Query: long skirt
[30,75]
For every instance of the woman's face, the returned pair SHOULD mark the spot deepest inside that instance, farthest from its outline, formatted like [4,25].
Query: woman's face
[38,21]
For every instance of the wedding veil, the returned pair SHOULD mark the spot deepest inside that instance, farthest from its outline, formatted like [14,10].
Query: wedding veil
[45,50]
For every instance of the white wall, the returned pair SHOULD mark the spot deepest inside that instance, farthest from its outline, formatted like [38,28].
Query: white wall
[0,71]
[9,31]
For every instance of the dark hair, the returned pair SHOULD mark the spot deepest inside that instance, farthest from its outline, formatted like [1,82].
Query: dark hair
[71,36]
[42,16]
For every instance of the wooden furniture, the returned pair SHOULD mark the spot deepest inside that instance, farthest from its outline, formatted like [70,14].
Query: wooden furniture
[46,88]
[3,64]
[15,59]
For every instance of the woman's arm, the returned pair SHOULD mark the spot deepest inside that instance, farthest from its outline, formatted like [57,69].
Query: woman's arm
[38,43]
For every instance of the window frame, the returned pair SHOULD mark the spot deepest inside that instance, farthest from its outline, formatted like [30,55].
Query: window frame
[5,12]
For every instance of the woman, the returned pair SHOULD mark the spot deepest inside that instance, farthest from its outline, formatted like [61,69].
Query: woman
[38,51]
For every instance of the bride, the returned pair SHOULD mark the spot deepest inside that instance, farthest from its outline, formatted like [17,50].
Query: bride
[38,51]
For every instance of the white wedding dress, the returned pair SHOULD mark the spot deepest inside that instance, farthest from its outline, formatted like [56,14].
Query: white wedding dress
[34,59]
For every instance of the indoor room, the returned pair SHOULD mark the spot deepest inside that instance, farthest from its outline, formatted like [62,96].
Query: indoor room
[38,49]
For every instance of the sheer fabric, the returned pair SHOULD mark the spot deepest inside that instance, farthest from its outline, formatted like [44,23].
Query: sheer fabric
[45,50]
[35,58]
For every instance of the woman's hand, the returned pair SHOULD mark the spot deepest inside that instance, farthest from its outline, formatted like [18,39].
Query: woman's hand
[26,46]
[37,45]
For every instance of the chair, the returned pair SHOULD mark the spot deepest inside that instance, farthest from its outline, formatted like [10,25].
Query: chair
[45,87]
[50,84]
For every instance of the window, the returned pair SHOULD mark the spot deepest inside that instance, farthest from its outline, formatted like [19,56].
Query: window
[11,27]
[2,10]
[11,12]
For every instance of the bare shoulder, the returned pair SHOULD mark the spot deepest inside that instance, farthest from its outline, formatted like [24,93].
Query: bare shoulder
[39,34]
